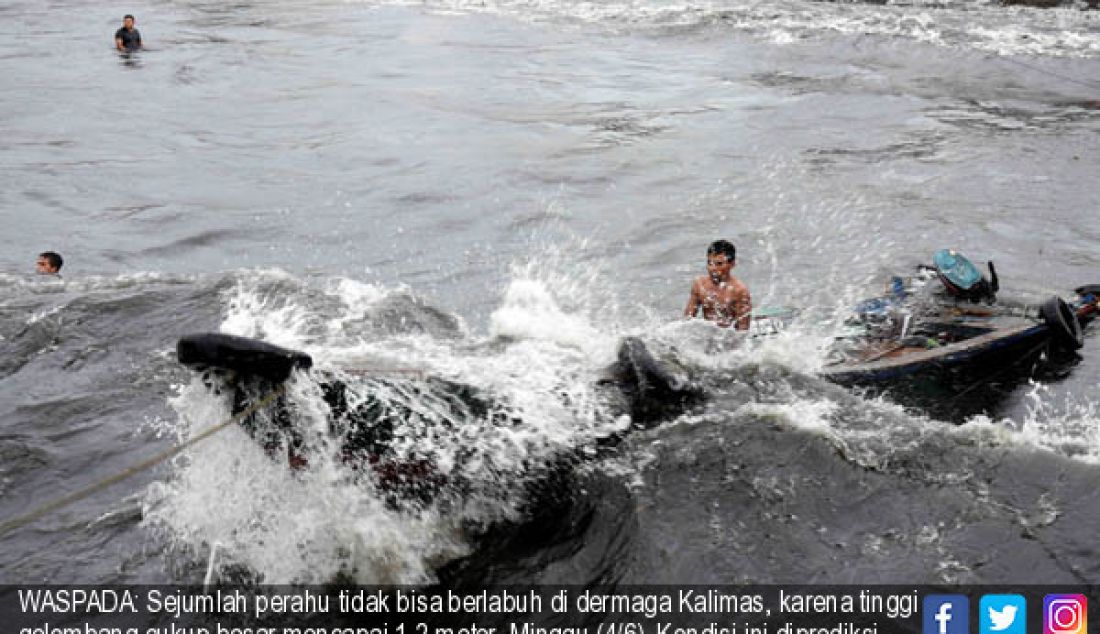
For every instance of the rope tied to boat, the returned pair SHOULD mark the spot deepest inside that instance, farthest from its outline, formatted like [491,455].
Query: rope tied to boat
[145,465]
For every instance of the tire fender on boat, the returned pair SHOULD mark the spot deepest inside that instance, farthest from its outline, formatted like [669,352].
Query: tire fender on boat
[1063,323]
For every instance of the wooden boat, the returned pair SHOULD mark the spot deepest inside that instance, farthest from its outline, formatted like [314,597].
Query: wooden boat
[967,340]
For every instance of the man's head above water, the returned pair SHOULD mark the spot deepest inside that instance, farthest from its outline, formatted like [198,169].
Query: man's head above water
[721,256]
[48,263]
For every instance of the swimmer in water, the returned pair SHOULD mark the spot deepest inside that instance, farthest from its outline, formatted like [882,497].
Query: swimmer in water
[127,39]
[48,263]
[723,298]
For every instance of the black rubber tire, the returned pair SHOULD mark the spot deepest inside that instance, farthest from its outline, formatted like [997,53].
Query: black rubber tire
[1062,322]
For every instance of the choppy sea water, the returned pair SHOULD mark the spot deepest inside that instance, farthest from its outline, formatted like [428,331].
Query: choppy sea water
[496,193]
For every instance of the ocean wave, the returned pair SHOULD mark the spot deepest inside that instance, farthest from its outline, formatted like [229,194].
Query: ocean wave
[960,24]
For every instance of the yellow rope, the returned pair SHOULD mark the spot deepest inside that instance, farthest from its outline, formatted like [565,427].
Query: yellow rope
[11,525]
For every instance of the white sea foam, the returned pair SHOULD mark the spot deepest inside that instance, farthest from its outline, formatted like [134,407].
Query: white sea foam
[285,526]
[254,311]
[530,312]
[312,525]
[970,24]
[1069,426]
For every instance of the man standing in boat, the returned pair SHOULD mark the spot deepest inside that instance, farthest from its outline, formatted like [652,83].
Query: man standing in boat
[723,298]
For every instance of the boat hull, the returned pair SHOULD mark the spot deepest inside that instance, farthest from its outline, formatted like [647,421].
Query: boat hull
[1001,352]
[990,351]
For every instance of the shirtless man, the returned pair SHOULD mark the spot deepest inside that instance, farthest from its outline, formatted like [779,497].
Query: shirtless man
[724,299]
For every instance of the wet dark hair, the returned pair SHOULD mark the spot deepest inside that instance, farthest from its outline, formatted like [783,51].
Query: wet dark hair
[722,247]
[53,258]
[128,16]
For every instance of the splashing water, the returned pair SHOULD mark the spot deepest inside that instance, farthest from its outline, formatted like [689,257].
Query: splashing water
[536,374]
[313,525]
[1070,428]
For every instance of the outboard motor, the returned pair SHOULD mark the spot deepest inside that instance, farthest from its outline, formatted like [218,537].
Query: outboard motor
[962,280]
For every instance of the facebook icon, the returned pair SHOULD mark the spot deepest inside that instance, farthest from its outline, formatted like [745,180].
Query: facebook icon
[946,614]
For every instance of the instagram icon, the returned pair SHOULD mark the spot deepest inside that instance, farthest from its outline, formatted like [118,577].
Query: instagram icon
[1065,614]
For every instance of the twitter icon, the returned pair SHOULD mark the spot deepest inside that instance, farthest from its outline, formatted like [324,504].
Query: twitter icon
[1002,614]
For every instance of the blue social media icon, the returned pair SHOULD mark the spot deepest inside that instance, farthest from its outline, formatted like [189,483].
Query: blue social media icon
[946,614]
[1002,614]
